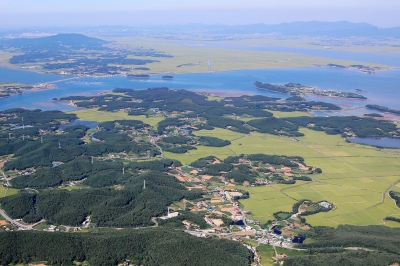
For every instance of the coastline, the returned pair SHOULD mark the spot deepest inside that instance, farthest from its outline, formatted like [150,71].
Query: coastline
[35,89]
[310,94]
[233,83]
[36,70]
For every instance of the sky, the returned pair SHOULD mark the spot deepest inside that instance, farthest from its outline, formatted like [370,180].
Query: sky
[17,13]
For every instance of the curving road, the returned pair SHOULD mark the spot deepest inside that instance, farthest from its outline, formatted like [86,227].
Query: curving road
[17,224]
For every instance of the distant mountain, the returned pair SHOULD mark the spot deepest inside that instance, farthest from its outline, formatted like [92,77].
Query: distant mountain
[313,28]
[340,29]
[65,40]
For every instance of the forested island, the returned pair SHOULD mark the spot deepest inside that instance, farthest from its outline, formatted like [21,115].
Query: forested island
[382,109]
[296,89]
[138,76]
[361,68]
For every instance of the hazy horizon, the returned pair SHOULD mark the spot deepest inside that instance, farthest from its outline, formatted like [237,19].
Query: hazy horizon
[23,13]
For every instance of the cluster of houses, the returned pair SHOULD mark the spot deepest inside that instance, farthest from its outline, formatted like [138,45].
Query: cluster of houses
[27,171]
[269,236]
[196,176]
[221,195]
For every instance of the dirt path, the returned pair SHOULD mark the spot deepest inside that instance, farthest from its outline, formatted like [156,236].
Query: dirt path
[6,178]
[154,220]
[159,148]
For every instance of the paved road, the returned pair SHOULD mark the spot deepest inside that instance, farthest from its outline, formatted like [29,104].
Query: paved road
[160,149]
[19,225]
[6,178]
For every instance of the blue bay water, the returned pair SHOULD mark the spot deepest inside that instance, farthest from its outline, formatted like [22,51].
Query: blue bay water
[382,88]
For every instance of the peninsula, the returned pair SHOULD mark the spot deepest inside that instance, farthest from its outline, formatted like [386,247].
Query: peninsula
[296,89]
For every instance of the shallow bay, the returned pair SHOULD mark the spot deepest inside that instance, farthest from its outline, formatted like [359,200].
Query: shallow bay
[382,88]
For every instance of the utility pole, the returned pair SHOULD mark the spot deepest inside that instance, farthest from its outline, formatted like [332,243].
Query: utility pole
[41,139]
[9,136]
[123,170]
[23,136]
[92,159]
[144,184]
[59,145]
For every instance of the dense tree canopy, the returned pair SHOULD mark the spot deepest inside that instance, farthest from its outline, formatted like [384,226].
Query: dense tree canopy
[131,206]
[141,247]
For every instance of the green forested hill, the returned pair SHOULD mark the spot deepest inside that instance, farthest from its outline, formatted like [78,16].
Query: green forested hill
[147,247]
[129,207]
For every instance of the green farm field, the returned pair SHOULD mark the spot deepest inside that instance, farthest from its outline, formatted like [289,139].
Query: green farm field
[391,47]
[7,192]
[100,116]
[266,252]
[10,83]
[4,57]
[192,57]
[278,114]
[356,178]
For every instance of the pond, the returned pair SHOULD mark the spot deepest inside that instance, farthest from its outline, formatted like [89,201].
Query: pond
[89,124]
[298,239]
[381,142]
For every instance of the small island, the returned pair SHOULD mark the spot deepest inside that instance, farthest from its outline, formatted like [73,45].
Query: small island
[361,68]
[296,89]
[383,109]
[138,76]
